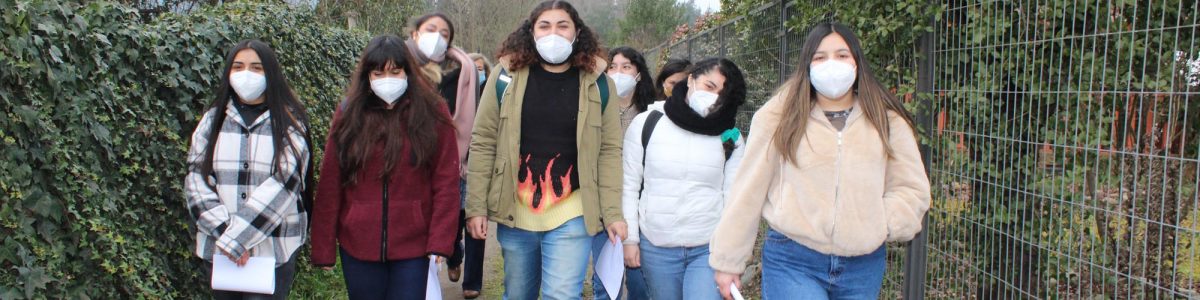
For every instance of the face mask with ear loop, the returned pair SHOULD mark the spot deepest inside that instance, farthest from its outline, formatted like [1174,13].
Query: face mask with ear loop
[554,49]
[832,78]
[432,45]
[248,85]
[389,89]
[625,83]
[700,101]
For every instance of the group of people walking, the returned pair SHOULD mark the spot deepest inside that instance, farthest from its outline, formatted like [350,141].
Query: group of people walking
[565,147]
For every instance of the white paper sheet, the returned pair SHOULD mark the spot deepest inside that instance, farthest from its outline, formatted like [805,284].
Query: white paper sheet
[610,266]
[737,295]
[433,287]
[257,276]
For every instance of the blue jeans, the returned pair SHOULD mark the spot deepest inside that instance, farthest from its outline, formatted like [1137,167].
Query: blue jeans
[635,284]
[675,273]
[793,271]
[554,261]
[392,280]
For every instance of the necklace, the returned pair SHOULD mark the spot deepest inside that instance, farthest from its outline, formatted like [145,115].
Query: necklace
[839,114]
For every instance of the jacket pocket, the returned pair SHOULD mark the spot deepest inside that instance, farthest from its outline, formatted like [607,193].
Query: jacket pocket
[496,187]
[407,219]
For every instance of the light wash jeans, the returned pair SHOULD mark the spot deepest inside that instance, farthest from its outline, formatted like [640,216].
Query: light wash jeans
[676,273]
[553,261]
[793,271]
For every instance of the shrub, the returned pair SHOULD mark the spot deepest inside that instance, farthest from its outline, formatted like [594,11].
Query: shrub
[96,107]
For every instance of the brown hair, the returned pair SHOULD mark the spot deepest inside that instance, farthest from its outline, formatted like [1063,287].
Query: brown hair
[521,52]
[416,25]
[800,97]
[365,122]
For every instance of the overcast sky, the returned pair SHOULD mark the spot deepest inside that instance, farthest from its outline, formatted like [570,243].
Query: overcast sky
[708,5]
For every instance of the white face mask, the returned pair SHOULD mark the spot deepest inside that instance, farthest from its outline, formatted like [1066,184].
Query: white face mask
[702,101]
[832,78]
[248,85]
[432,45]
[624,82]
[389,89]
[554,48]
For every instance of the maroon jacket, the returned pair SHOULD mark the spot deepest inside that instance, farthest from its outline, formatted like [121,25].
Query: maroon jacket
[418,218]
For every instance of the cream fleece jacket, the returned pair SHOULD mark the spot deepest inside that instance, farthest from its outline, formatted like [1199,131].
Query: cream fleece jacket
[844,196]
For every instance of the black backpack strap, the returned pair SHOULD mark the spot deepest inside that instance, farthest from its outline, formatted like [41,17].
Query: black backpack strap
[647,130]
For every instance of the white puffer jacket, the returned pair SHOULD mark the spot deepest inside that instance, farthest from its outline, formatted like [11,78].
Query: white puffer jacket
[687,182]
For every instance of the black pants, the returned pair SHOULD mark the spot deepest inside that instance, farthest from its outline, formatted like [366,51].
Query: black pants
[473,274]
[284,275]
[392,280]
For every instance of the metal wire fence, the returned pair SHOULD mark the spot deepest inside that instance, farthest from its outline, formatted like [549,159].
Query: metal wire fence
[1061,142]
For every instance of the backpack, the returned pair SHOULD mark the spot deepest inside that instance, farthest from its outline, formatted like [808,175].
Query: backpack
[504,79]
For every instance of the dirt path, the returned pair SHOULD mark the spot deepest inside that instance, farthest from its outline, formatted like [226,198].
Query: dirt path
[493,272]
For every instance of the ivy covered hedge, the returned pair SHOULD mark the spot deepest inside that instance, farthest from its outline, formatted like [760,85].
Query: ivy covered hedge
[96,107]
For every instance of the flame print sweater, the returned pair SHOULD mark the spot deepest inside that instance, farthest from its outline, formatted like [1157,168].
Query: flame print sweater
[496,153]
[548,176]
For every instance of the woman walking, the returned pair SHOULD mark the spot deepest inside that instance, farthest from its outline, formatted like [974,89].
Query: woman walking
[832,164]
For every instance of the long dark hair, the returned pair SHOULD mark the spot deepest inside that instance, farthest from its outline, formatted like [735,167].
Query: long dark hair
[521,51]
[287,113]
[800,97]
[733,94]
[365,121]
[673,66]
[643,92]
[416,25]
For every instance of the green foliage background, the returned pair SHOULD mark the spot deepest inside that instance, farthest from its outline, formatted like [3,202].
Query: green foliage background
[1062,136]
[96,107]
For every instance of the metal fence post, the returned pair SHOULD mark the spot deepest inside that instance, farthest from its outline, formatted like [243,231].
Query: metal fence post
[689,47]
[721,40]
[783,43]
[917,255]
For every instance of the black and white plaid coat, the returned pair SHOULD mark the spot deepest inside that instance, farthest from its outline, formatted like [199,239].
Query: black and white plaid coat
[242,206]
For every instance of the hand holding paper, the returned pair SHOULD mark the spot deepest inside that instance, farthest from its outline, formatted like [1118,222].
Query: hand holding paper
[257,275]
[610,266]
[733,291]
[433,287]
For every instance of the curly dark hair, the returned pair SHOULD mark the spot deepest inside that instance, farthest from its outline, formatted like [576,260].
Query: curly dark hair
[521,52]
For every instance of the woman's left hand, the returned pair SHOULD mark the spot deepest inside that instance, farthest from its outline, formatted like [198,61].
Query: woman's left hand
[617,231]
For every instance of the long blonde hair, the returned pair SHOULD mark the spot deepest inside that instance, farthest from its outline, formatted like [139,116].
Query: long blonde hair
[800,98]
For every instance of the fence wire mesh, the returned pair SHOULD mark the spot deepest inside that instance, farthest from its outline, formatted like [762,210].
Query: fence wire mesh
[1061,142]
[1064,153]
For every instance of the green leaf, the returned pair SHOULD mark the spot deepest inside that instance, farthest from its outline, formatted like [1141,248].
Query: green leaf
[56,54]
[48,28]
[44,206]
[7,293]
[35,279]
[102,38]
